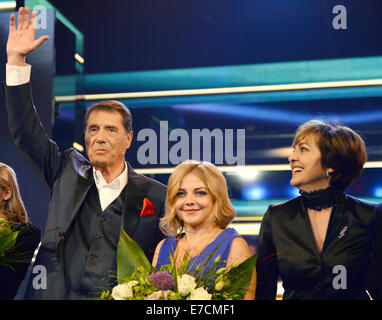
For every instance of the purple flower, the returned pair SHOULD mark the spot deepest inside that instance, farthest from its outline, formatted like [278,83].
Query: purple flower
[162,280]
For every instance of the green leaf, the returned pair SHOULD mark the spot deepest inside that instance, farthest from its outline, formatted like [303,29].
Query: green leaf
[8,255]
[129,257]
[7,242]
[5,227]
[240,277]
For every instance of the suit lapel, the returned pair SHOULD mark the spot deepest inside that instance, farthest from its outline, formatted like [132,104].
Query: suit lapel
[338,221]
[84,184]
[133,202]
[308,230]
[82,181]
[133,198]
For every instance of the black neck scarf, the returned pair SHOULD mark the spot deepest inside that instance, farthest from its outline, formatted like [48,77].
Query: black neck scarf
[322,199]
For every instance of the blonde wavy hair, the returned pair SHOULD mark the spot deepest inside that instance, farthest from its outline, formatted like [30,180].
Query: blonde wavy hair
[14,207]
[222,211]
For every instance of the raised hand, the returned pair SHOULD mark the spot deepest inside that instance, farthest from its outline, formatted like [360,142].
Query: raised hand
[21,40]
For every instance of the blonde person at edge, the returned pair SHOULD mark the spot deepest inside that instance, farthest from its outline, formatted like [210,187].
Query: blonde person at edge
[12,210]
[319,243]
[198,213]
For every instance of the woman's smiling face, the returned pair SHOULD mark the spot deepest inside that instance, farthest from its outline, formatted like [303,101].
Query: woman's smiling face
[307,171]
[194,201]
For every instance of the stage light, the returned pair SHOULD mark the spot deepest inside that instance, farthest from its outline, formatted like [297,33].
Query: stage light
[79,58]
[293,192]
[283,152]
[378,192]
[233,169]
[254,192]
[7,5]
[246,229]
[263,112]
[229,90]
[248,174]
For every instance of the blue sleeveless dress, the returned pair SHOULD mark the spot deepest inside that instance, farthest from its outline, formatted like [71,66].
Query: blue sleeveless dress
[223,240]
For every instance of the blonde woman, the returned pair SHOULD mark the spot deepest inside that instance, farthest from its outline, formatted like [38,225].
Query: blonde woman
[12,210]
[198,213]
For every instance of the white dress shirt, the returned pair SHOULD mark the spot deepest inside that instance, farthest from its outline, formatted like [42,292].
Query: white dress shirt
[108,192]
[16,75]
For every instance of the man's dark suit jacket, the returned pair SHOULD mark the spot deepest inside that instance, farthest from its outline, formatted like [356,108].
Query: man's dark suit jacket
[67,175]
[287,248]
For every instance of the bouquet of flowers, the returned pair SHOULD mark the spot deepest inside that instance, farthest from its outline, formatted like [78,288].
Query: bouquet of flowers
[138,280]
[7,244]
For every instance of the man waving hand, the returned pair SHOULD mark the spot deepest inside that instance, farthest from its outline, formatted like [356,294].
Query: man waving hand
[92,199]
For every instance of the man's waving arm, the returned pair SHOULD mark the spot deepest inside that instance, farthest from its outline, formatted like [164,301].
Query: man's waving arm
[24,123]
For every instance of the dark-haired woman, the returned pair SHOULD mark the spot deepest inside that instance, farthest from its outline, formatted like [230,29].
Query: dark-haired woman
[319,243]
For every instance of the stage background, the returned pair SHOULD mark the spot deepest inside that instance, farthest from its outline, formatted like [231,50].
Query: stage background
[146,53]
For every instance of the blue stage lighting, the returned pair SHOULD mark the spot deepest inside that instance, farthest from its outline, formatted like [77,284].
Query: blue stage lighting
[378,192]
[254,192]
[293,192]
[264,113]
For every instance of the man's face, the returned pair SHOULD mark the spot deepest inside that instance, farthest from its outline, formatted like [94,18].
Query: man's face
[106,139]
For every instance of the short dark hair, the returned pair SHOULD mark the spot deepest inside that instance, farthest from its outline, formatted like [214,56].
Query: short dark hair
[342,149]
[112,105]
